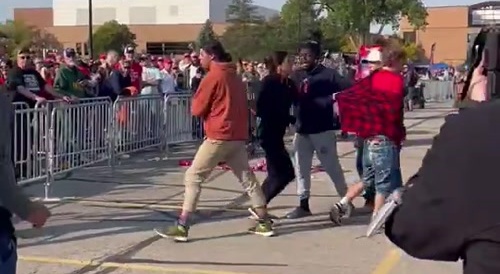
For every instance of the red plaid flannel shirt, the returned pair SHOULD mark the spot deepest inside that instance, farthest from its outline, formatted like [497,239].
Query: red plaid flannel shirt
[374,106]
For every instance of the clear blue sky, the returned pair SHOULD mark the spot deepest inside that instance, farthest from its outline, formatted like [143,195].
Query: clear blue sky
[6,6]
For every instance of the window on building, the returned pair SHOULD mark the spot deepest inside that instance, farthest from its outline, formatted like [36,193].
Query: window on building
[410,37]
[78,48]
[165,48]
[174,10]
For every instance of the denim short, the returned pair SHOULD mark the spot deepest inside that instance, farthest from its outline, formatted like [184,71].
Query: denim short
[8,254]
[381,165]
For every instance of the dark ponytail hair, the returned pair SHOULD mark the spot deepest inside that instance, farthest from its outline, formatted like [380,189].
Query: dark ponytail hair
[216,49]
[274,60]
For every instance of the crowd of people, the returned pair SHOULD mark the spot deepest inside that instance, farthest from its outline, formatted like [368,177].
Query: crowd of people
[68,77]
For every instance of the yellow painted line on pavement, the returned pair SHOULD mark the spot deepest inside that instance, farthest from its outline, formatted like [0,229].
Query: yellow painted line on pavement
[388,263]
[131,266]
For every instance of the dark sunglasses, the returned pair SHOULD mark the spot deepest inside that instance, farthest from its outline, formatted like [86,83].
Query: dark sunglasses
[129,51]
[24,57]
[126,67]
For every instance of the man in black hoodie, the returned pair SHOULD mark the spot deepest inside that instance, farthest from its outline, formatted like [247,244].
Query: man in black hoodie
[315,124]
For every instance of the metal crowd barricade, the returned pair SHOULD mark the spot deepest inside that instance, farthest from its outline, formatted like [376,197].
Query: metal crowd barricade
[438,91]
[79,136]
[30,147]
[137,124]
[20,105]
[180,125]
[57,137]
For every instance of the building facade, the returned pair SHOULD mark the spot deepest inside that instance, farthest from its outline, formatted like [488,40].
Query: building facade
[161,26]
[451,30]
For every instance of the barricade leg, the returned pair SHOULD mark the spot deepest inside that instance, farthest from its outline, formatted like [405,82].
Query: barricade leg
[55,130]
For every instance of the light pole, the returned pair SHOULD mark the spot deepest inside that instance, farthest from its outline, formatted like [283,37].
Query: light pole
[91,30]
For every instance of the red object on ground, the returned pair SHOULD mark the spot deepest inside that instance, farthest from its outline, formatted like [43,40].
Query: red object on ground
[259,167]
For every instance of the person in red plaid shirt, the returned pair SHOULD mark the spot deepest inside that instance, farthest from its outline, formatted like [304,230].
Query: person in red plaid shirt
[373,110]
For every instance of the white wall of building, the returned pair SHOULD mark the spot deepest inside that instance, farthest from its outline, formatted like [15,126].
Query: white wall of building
[144,12]
[133,12]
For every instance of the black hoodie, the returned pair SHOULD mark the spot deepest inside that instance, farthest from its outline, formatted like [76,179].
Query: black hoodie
[314,107]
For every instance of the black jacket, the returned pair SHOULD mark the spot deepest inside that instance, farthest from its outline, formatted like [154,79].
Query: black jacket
[273,107]
[114,84]
[314,105]
[450,211]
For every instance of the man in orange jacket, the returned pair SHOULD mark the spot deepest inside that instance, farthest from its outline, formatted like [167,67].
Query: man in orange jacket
[221,102]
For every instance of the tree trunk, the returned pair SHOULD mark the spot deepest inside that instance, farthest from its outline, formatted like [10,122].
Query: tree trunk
[353,42]
[380,29]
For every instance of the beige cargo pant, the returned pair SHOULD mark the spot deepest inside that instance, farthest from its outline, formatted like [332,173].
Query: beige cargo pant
[210,153]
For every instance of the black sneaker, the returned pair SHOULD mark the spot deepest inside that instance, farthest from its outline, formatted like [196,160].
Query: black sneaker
[297,213]
[337,212]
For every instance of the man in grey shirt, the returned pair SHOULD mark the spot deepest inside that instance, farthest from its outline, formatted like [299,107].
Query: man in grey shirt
[12,198]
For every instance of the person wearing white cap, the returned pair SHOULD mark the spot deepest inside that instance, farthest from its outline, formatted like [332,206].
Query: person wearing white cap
[374,59]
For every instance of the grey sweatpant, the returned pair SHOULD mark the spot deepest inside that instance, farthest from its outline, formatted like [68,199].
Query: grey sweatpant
[325,146]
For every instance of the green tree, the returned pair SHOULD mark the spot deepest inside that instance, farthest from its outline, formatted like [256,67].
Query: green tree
[206,34]
[16,35]
[112,36]
[243,12]
[244,38]
[252,41]
[299,19]
[354,17]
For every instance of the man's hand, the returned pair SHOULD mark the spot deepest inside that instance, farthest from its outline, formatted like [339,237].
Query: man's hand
[66,99]
[39,99]
[38,215]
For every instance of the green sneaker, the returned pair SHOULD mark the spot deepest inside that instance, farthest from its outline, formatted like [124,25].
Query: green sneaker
[262,228]
[177,232]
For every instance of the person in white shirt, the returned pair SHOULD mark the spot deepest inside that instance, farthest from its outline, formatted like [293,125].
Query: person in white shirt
[185,62]
[194,68]
[151,77]
[168,80]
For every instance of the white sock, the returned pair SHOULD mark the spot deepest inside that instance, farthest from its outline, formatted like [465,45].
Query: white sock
[344,201]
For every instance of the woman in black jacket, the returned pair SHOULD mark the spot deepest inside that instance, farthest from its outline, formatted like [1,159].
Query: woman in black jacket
[273,111]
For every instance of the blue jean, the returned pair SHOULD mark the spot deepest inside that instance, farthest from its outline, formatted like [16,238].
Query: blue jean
[381,165]
[369,193]
[8,254]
